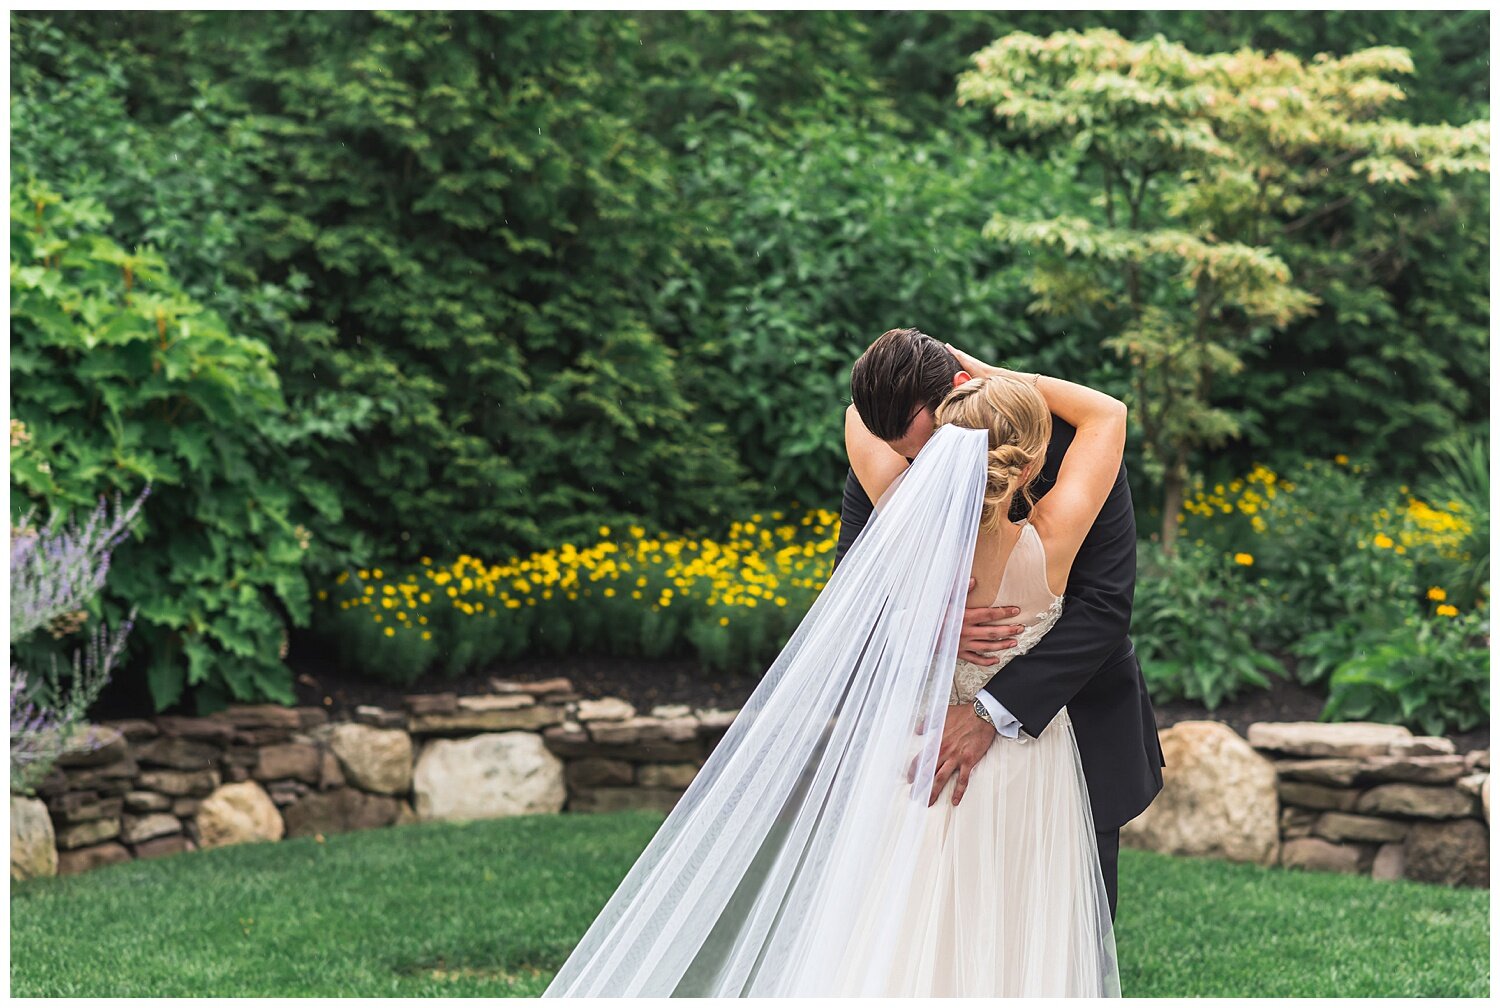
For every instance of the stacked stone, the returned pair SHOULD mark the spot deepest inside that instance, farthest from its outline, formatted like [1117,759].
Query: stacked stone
[1364,798]
[139,787]
[1374,799]
[619,759]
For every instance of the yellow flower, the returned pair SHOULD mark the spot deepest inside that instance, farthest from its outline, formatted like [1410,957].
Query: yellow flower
[723,621]
[1341,459]
[1447,610]
[604,530]
[390,631]
[1436,594]
[1384,541]
[1244,559]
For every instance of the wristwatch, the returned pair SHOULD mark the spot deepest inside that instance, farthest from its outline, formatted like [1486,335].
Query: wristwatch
[984,715]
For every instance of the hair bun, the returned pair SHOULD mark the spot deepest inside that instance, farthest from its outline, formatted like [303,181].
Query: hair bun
[1019,425]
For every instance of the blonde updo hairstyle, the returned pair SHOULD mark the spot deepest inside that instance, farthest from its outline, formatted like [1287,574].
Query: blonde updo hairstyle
[1020,425]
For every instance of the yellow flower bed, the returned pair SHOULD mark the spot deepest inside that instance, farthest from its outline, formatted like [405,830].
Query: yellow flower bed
[1418,524]
[772,564]
[1273,515]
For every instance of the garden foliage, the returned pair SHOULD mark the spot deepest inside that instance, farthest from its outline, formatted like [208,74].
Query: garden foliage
[357,288]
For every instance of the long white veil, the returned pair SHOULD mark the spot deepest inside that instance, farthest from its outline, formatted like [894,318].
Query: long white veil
[807,815]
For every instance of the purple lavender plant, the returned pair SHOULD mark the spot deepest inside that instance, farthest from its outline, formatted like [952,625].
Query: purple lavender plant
[54,573]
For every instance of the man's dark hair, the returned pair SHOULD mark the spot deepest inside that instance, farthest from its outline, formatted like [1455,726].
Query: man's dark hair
[902,371]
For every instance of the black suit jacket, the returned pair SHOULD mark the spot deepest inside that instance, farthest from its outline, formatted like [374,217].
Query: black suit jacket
[1086,662]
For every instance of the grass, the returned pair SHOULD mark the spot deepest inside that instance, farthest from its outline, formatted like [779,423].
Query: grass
[492,907]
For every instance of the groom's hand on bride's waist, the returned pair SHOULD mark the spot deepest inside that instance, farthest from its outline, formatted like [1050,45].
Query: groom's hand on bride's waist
[985,631]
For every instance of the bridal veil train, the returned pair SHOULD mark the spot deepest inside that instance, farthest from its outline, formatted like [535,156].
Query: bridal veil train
[804,858]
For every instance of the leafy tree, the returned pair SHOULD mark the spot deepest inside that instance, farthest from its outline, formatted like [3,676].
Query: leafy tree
[1208,168]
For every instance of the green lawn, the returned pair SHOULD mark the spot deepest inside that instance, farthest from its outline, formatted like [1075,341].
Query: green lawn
[491,908]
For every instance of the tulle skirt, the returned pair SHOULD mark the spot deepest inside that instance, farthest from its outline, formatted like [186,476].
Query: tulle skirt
[1006,897]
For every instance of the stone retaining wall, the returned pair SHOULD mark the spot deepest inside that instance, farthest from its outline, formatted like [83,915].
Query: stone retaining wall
[161,785]
[1360,798]
[1369,799]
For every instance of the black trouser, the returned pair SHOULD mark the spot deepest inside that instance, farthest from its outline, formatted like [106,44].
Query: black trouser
[1109,864]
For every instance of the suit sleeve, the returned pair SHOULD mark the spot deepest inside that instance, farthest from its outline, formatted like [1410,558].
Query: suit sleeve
[1095,620]
[854,515]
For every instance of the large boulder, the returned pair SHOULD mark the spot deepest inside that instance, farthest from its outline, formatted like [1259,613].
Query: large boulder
[487,776]
[33,845]
[375,759]
[238,813]
[1218,798]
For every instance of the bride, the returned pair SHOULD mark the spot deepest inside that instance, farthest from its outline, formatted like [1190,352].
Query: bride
[816,852]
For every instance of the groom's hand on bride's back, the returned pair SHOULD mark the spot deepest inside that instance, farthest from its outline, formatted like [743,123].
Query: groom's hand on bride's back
[985,630]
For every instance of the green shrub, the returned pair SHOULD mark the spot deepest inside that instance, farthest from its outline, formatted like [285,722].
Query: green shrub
[1196,623]
[121,378]
[1432,674]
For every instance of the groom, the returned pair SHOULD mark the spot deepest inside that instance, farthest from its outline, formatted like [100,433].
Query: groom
[1086,662]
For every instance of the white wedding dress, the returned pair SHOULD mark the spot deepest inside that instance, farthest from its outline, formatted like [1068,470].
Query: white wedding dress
[804,858]
[1010,900]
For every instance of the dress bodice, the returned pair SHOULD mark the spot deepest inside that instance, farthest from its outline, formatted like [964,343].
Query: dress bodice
[1023,584]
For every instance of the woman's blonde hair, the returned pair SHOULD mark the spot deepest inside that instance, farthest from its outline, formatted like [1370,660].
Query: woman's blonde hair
[1020,426]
